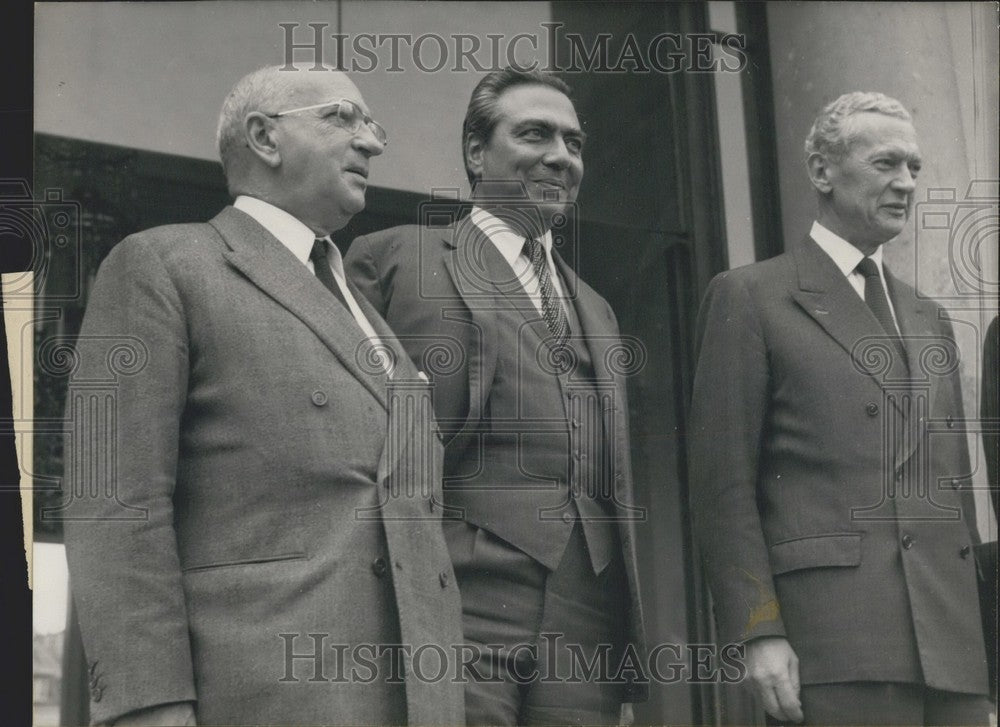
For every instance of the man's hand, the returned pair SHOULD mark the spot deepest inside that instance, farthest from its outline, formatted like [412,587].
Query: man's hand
[178,714]
[773,669]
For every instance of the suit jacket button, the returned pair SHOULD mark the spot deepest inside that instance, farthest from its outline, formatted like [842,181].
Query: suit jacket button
[956,483]
[964,552]
[907,541]
[379,567]
[319,398]
[871,409]
[443,579]
[567,517]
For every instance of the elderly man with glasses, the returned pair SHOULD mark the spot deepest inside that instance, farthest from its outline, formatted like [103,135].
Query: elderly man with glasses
[254,562]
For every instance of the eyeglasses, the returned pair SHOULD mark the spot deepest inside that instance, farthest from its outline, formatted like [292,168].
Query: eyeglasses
[347,114]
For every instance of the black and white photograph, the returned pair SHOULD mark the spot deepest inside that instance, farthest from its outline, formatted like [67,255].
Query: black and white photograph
[403,362]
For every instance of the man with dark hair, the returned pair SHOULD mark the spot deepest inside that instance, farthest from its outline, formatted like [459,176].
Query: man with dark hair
[829,485]
[244,555]
[534,416]
[483,113]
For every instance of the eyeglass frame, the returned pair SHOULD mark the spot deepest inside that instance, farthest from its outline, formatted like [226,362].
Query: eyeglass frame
[367,120]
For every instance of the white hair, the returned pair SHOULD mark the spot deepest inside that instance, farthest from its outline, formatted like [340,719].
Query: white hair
[828,136]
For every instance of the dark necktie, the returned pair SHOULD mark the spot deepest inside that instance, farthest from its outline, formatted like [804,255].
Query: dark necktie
[877,301]
[321,264]
[552,310]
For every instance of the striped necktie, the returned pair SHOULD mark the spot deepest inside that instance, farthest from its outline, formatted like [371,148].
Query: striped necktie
[552,310]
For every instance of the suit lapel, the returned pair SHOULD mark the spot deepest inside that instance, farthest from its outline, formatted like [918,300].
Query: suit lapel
[913,323]
[410,421]
[828,298]
[462,247]
[603,341]
[403,366]
[269,265]
[598,337]
[918,334]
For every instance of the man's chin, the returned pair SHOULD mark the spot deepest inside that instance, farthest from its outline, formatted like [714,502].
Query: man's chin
[353,204]
[893,228]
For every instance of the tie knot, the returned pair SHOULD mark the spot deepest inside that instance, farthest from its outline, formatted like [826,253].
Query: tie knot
[319,251]
[868,268]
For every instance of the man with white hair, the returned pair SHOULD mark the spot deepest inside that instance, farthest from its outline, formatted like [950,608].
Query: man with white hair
[270,551]
[829,483]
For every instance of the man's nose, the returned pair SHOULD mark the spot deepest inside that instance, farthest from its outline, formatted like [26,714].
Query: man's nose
[558,154]
[905,181]
[366,141]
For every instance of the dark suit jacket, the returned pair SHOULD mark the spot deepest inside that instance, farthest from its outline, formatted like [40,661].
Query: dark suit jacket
[827,482]
[439,289]
[255,493]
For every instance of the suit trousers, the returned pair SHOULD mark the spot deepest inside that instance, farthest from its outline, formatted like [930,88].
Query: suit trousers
[532,634]
[889,703]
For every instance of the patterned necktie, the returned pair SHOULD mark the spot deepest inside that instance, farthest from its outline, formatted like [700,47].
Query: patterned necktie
[552,310]
[321,264]
[877,301]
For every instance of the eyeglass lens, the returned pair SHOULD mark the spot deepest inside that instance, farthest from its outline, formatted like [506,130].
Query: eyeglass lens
[351,117]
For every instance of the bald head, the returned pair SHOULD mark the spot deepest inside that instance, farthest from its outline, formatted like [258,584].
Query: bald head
[306,162]
[264,88]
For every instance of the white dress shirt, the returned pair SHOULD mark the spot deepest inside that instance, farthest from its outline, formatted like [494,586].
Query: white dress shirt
[847,257]
[299,239]
[511,246]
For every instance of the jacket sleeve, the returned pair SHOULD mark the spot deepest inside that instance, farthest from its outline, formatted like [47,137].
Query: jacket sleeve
[124,406]
[727,423]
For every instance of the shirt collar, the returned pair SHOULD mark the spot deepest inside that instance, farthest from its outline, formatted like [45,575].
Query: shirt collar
[290,231]
[509,243]
[843,253]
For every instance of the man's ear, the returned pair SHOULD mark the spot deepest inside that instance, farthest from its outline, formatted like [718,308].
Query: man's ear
[474,148]
[259,132]
[819,172]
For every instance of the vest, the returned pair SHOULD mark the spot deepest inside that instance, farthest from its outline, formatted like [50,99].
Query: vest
[539,459]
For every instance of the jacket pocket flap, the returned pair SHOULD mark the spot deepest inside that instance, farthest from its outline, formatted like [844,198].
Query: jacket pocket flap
[818,551]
